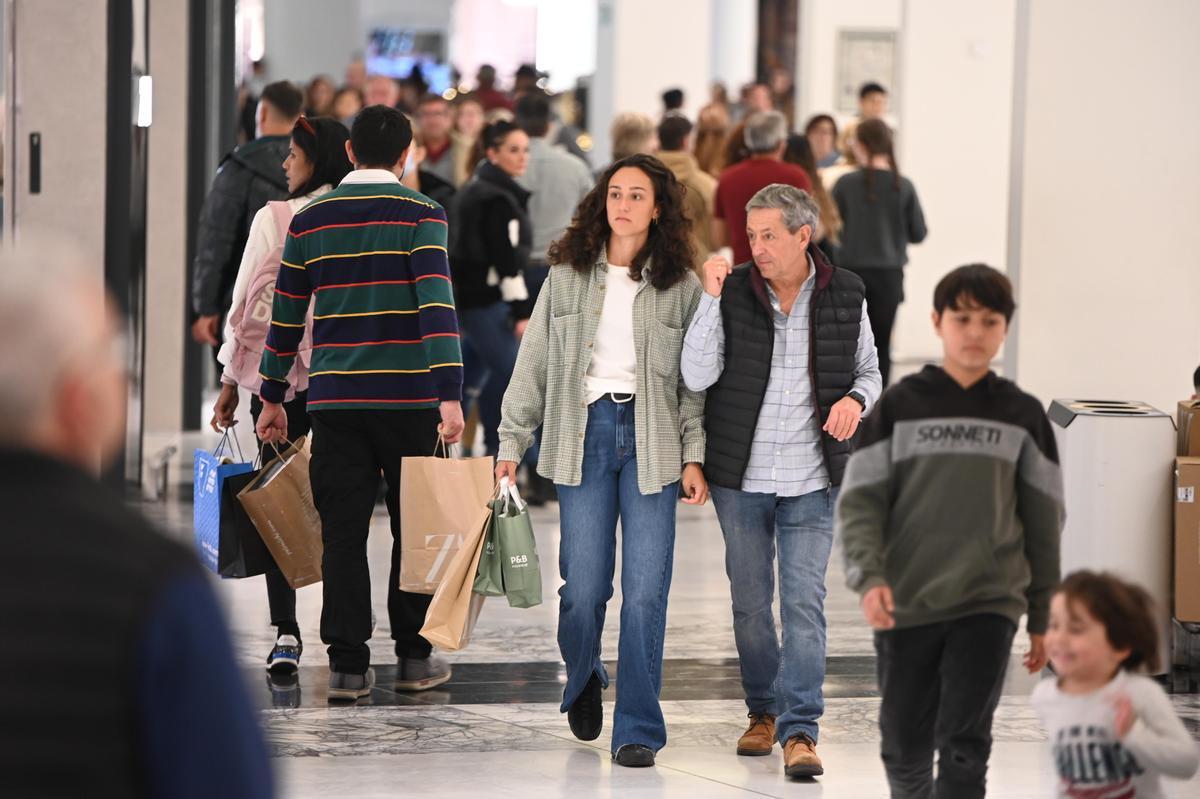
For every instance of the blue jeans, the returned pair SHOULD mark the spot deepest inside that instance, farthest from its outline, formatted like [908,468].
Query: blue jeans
[490,353]
[587,560]
[783,681]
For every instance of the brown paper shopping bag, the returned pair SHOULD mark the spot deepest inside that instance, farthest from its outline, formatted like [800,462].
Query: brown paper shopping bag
[455,607]
[279,501]
[440,502]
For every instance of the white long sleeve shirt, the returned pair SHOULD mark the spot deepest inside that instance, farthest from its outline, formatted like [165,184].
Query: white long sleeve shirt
[1089,758]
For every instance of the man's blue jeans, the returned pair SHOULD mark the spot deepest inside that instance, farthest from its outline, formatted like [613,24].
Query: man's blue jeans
[587,560]
[783,681]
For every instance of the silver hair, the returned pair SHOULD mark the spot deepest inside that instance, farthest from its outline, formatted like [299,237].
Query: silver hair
[798,206]
[49,324]
[765,131]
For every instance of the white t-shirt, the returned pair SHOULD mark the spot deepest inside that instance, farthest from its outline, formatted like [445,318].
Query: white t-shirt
[1089,759]
[614,357]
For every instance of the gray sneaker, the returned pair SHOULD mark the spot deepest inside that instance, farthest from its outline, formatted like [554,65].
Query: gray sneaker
[421,674]
[345,687]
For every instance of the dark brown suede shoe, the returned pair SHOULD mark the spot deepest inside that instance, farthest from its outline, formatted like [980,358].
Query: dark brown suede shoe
[800,757]
[759,738]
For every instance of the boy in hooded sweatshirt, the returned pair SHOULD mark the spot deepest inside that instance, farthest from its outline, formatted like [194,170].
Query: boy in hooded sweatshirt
[949,519]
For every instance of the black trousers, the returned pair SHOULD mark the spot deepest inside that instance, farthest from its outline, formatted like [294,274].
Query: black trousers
[940,685]
[885,292]
[349,450]
[281,597]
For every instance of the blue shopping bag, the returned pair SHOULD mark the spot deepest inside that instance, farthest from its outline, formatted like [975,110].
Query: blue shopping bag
[213,501]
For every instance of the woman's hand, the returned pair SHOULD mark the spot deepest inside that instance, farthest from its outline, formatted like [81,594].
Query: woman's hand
[224,408]
[695,487]
[506,469]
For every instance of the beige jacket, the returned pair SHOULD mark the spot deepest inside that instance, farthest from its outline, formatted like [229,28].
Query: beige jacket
[697,201]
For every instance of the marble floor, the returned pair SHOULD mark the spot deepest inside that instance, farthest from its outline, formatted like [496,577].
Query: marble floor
[495,729]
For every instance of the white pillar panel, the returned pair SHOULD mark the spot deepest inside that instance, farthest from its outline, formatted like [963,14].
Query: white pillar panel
[58,44]
[734,44]
[1108,279]
[166,218]
[954,143]
[643,49]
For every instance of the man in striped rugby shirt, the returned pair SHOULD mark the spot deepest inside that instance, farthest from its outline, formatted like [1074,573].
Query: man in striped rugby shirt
[385,380]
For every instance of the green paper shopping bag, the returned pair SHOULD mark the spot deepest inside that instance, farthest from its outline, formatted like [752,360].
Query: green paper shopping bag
[520,570]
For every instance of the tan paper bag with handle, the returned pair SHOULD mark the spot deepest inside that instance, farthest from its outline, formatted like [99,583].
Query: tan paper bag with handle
[440,502]
[455,607]
[280,503]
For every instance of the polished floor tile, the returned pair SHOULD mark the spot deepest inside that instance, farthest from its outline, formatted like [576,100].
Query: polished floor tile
[496,731]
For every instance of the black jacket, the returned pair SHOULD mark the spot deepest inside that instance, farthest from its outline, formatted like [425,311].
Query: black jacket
[248,178]
[734,402]
[484,210]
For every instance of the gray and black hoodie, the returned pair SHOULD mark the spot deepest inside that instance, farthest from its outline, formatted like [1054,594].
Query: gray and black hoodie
[954,499]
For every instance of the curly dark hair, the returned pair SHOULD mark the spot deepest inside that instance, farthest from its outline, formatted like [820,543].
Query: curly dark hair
[669,242]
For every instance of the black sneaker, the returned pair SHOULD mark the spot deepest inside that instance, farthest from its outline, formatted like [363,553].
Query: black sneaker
[421,674]
[285,656]
[586,713]
[345,687]
[634,756]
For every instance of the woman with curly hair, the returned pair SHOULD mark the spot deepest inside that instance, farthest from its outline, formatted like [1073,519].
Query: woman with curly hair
[599,367]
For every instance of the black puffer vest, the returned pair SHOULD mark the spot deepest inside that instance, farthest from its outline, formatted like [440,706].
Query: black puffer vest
[731,413]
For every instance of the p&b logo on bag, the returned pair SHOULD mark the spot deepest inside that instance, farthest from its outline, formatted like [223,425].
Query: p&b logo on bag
[518,561]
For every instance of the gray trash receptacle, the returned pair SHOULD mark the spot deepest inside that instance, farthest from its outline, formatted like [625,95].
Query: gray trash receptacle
[1118,462]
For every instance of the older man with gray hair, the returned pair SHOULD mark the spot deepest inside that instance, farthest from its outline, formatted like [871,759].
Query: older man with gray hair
[783,346]
[766,139]
[116,623]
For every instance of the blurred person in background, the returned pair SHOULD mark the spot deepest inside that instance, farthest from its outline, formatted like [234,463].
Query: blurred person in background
[757,98]
[346,105]
[468,121]
[712,129]
[356,75]
[247,179]
[783,94]
[446,155]
[872,101]
[316,163]
[525,81]
[318,97]
[700,188]
[822,134]
[633,133]
[829,224]
[486,92]
[766,139]
[117,623]
[881,216]
[734,150]
[672,100]
[489,252]
[558,182]
[381,90]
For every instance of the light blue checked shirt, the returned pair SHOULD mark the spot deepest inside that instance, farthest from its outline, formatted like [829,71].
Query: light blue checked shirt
[785,457]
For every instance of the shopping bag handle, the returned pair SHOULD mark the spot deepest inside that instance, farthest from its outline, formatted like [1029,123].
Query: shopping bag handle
[443,446]
[223,445]
[508,490]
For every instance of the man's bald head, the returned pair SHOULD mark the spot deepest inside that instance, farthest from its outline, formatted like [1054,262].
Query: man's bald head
[62,378]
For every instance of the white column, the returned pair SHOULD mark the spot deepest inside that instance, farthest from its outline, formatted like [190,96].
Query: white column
[643,49]
[734,43]
[1108,278]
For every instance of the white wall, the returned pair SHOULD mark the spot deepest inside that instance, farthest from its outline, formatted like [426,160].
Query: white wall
[166,222]
[816,62]
[956,85]
[642,49]
[734,43]
[503,34]
[312,37]
[1109,277]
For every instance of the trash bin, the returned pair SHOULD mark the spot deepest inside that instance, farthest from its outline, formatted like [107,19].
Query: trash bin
[1118,461]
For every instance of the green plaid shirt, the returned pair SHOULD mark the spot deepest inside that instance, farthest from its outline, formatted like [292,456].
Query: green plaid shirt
[547,385]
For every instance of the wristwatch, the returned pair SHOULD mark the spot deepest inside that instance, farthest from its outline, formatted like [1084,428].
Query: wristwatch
[859,398]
